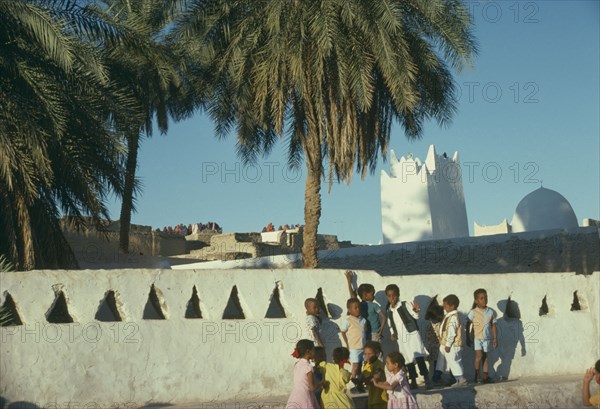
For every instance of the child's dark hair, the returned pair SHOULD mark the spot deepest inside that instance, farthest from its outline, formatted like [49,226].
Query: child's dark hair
[351,301]
[397,358]
[452,300]
[434,312]
[375,346]
[340,354]
[476,293]
[320,353]
[393,287]
[479,291]
[597,366]
[364,289]
[303,346]
[309,301]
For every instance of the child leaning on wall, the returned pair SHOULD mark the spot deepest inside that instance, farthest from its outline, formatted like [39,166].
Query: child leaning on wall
[369,310]
[313,321]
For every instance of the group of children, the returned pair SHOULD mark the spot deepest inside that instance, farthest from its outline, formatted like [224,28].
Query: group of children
[324,384]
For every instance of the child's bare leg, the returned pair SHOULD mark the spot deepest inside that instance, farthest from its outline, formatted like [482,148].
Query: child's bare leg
[478,356]
[485,365]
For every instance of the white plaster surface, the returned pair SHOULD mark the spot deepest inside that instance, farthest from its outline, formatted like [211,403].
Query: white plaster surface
[543,209]
[423,201]
[482,230]
[198,360]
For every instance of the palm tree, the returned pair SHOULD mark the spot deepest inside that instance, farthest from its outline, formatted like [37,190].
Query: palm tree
[60,152]
[151,70]
[329,75]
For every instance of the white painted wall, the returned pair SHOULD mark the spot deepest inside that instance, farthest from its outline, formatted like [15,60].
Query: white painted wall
[185,360]
[482,230]
[423,201]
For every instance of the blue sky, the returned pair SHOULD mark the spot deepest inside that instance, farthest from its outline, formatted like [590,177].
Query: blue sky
[528,112]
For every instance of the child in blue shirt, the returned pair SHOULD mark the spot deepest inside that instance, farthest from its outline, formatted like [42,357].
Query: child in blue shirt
[369,310]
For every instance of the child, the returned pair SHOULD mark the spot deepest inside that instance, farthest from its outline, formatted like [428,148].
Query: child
[313,322]
[482,321]
[434,315]
[591,373]
[336,377]
[399,396]
[318,357]
[377,396]
[368,309]
[451,341]
[402,321]
[353,332]
[302,395]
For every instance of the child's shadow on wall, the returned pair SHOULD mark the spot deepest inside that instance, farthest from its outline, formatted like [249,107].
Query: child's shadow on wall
[330,331]
[509,329]
[387,345]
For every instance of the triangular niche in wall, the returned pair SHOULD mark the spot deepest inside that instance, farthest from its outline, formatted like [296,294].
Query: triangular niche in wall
[108,311]
[233,310]
[153,309]
[323,311]
[193,306]
[275,309]
[9,308]
[59,311]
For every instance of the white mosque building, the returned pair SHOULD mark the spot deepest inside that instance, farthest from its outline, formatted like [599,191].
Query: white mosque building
[542,209]
[425,201]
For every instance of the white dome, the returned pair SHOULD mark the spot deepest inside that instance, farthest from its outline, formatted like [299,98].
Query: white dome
[543,209]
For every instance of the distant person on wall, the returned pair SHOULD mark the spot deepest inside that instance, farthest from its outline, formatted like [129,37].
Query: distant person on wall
[369,310]
[591,373]
[399,396]
[335,378]
[450,357]
[402,320]
[313,321]
[353,329]
[481,332]
[303,392]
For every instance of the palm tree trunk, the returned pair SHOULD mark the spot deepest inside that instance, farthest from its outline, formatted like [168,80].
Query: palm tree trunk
[133,141]
[312,213]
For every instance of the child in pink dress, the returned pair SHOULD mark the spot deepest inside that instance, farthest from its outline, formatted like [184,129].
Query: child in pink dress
[303,392]
[399,396]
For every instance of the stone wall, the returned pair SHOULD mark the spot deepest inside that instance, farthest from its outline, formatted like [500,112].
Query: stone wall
[140,358]
[93,248]
[575,250]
